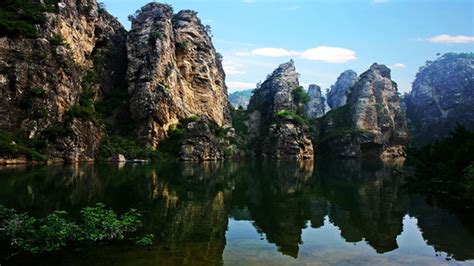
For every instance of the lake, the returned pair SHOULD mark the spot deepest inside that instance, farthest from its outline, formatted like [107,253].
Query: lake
[249,213]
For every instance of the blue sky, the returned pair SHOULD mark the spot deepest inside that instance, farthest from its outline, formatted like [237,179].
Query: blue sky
[326,37]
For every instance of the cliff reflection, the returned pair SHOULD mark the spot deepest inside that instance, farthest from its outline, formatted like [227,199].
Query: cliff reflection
[187,206]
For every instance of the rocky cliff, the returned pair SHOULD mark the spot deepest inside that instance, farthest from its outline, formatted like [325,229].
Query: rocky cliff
[50,69]
[337,96]
[372,122]
[275,124]
[317,104]
[174,72]
[442,97]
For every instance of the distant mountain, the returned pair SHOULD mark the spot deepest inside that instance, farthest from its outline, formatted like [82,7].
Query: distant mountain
[240,98]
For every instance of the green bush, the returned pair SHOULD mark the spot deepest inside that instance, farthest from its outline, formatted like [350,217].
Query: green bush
[19,17]
[57,39]
[239,117]
[11,145]
[130,148]
[290,115]
[300,96]
[53,232]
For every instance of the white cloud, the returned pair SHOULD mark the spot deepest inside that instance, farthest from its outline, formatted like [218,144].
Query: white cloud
[327,54]
[238,85]
[445,38]
[273,52]
[233,68]
[397,66]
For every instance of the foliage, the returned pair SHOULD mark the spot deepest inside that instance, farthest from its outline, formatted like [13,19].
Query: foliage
[446,166]
[12,145]
[183,46]
[37,91]
[53,232]
[19,17]
[56,39]
[85,108]
[300,96]
[146,240]
[239,117]
[154,36]
[130,148]
[290,115]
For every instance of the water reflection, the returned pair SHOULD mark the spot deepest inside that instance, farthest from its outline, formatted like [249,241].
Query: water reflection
[199,212]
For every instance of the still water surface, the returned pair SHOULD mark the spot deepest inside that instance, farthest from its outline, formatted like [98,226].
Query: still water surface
[252,213]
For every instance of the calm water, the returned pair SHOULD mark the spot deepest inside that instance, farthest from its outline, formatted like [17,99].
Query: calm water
[266,213]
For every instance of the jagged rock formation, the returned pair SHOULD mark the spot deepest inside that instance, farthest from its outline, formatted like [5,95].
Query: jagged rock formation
[274,112]
[371,123]
[43,80]
[337,96]
[442,97]
[240,98]
[200,143]
[316,106]
[174,71]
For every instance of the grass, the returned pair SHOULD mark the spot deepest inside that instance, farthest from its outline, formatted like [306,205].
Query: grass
[130,148]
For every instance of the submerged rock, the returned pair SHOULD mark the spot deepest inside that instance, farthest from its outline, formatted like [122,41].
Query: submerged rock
[442,97]
[119,158]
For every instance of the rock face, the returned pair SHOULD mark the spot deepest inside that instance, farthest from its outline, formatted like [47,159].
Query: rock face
[174,72]
[240,98]
[273,109]
[372,123]
[442,97]
[200,144]
[316,106]
[337,96]
[42,79]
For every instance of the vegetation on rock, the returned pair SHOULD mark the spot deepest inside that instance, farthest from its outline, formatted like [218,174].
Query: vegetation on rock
[19,17]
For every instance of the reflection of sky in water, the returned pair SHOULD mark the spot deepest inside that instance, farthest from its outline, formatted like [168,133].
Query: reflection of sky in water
[324,245]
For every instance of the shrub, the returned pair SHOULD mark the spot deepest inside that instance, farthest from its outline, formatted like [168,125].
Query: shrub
[290,115]
[300,96]
[11,145]
[54,232]
[183,46]
[130,148]
[56,39]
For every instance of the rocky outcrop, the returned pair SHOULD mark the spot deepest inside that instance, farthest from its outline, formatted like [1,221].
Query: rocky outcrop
[372,123]
[275,119]
[316,105]
[43,80]
[442,97]
[200,143]
[337,96]
[174,72]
